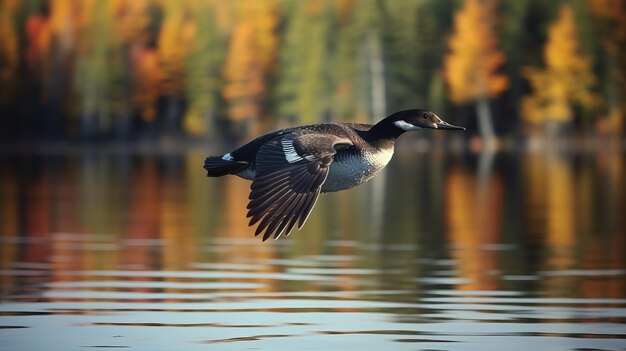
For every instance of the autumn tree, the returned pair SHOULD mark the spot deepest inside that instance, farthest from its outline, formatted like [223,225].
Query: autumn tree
[250,58]
[147,74]
[471,67]
[243,76]
[147,82]
[566,79]
[175,40]
[132,21]
[9,53]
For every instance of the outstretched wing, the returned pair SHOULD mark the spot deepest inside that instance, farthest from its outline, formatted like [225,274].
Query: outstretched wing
[290,171]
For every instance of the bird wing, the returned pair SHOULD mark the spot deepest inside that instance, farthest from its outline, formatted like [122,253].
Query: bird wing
[290,171]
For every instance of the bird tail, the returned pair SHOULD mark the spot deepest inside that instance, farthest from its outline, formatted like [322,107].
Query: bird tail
[216,166]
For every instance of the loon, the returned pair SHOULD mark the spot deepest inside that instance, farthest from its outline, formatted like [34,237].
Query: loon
[289,168]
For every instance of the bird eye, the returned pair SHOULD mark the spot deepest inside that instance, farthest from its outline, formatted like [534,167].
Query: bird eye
[425,115]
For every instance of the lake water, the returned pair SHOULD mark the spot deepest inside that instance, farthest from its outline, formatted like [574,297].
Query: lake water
[109,249]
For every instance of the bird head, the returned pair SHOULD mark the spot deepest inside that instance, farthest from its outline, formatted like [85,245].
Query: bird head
[419,119]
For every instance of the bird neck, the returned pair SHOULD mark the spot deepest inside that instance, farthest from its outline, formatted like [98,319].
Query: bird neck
[384,132]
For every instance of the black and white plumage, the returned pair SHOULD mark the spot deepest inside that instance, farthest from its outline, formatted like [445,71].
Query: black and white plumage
[290,167]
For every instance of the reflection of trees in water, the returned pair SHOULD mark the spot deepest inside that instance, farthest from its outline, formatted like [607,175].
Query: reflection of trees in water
[474,224]
[556,212]
[569,211]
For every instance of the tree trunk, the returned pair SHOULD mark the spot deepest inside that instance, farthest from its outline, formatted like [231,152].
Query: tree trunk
[485,122]
[123,120]
[172,114]
[377,77]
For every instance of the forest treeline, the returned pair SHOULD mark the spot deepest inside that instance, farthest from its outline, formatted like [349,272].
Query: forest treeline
[145,68]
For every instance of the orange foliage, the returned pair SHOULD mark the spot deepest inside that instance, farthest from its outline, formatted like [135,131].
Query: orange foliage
[611,9]
[474,59]
[133,20]
[250,57]
[8,44]
[234,47]
[147,78]
[37,39]
[567,78]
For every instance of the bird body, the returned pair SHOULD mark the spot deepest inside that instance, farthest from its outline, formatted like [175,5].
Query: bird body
[351,166]
[290,167]
[352,169]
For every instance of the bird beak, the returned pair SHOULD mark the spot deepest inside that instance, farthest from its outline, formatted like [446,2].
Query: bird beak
[446,125]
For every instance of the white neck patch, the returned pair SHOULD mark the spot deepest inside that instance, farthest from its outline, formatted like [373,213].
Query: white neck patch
[406,126]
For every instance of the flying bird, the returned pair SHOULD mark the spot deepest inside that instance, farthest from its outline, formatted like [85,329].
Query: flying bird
[289,168]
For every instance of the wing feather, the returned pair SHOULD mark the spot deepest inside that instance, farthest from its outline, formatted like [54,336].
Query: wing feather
[290,170]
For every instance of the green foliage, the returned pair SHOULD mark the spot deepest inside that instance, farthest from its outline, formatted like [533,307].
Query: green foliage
[303,91]
[202,69]
[95,68]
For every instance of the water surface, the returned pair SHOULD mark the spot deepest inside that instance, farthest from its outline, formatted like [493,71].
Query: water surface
[141,251]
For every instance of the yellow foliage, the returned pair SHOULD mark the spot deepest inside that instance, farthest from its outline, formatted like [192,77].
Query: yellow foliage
[566,79]
[175,39]
[265,17]
[244,81]
[62,24]
[194,122]
[474,59]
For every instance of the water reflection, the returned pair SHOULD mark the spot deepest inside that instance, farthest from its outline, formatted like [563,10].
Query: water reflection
[128,250]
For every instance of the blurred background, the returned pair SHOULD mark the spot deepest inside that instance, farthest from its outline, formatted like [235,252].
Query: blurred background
[112,236]
[126,70]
